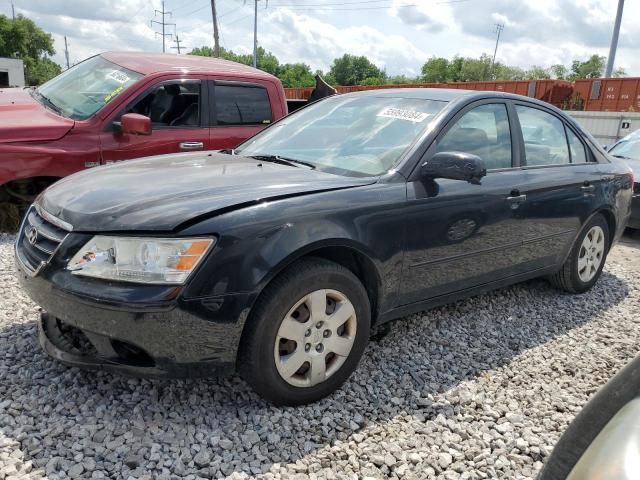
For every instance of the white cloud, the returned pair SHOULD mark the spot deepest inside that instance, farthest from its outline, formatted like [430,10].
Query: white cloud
[399,39]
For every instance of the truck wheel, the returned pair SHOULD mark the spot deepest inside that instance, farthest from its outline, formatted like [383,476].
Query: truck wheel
[584,265]
[306,333]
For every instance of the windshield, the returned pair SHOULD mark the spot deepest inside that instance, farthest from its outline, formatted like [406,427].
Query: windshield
[85,88]
[349,135]
[627,149]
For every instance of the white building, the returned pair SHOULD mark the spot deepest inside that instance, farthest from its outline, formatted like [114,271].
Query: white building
[11,72]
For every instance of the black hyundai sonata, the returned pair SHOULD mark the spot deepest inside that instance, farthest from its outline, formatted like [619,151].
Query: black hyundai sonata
[276,259]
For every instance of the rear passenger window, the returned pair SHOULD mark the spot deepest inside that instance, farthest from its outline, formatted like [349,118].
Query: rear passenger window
[241,105]
[578,153]
[482,131]
[545,142]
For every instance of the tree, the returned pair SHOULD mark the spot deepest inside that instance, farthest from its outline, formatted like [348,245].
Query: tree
[435,70]
[559,71]
[537,73]
[22,38]
[353,70]
[619,72]
[591,68]
[296,75]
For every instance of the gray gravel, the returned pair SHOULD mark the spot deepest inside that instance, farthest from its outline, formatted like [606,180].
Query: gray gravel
[479,389]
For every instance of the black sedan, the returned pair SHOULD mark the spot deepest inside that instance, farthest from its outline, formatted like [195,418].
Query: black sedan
[276,259]
[628,149]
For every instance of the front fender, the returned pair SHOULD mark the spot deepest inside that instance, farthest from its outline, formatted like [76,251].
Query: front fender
[258,242]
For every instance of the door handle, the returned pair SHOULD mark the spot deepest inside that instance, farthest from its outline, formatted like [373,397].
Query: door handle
[516,198]
[587,187]
[191,145]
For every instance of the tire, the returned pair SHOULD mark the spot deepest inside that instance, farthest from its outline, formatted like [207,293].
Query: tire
[284,310]
[10,215]
[572,276]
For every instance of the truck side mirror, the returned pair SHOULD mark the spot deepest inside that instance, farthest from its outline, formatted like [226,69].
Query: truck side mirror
[135,124]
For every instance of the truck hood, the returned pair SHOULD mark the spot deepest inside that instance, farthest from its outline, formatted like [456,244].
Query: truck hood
[23,119]
[161,193]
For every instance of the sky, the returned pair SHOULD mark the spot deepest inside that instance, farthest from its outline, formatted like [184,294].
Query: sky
[397,35]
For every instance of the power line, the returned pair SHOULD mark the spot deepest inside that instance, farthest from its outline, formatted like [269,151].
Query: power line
[178,47]
[164,14]
[499,29]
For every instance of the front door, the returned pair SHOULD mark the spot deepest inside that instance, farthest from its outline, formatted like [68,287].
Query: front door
[461,235]
[178,113]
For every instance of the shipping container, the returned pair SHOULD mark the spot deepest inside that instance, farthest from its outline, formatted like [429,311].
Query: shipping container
[608,94]
[552,91]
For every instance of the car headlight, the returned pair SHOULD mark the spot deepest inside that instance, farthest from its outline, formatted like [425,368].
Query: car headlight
[140,260]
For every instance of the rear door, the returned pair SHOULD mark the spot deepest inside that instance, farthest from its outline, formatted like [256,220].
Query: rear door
[237,111]
[562,178]
[178,110]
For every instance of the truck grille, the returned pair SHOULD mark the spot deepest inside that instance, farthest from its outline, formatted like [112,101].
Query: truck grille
[38,240]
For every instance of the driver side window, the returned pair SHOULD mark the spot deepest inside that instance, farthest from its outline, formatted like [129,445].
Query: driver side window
[171,105]
[483,131]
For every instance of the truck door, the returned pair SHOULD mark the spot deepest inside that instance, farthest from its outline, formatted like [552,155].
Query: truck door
[237,111]
[179,119]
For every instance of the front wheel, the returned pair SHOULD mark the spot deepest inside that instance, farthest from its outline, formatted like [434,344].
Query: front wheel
[306,333]
[584,265]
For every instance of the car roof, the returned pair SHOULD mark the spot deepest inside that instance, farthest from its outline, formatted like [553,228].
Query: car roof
[150,63]
[448,95]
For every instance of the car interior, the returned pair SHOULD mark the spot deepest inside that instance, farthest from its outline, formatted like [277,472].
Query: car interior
[171,105]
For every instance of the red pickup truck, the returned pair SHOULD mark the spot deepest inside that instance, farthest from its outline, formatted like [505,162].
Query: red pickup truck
[118,106]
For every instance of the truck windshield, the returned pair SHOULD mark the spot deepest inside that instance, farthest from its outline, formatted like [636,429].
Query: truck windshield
[85,88]
[348,135]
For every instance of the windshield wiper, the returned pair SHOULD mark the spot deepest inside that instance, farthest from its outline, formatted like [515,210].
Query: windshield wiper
[228,151]
[48,102]
[292,162]
[622,156]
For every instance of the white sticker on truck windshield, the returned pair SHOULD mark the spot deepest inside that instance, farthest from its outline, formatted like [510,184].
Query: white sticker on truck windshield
[118,76]
[402,114]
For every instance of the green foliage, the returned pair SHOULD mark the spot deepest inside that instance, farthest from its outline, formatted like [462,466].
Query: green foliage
[353,70]
[22,38]
[559,71]
[436,70]
[591,68]
[291,74]
[619,72]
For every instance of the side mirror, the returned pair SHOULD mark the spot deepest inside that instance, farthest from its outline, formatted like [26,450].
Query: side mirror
[135,124]
[455,166]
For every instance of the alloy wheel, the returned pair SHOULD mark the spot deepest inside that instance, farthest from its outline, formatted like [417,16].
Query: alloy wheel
[315,338]
[591,254]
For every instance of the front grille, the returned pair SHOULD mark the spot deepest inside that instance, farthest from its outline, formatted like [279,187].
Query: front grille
[38,240]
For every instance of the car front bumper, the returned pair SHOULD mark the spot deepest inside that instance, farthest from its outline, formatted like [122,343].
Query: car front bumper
[175,339]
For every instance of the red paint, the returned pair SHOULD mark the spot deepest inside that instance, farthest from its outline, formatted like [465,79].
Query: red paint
[35,142]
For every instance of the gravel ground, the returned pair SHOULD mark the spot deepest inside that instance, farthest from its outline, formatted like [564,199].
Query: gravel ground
[479,389]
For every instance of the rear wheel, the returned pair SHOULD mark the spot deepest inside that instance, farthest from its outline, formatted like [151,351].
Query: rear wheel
[306,333]
[584,265]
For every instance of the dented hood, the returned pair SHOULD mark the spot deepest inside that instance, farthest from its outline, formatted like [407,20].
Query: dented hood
[160,193]
[23,119]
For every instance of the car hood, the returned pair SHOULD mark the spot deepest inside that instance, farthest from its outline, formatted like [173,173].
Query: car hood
[23,119]
[161,193]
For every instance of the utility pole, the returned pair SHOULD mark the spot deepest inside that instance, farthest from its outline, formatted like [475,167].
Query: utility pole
[255,35]
[13,10]
[66,51]
[614,40]
[164,14]
[499,29]
[216,41]
[178,46]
